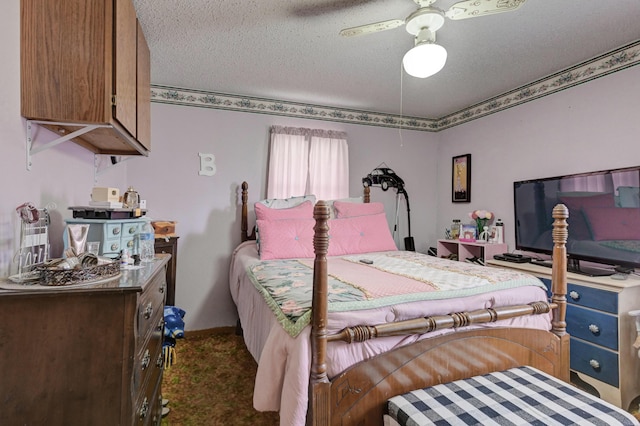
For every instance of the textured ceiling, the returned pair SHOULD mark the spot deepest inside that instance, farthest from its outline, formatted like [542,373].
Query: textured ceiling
[290,50]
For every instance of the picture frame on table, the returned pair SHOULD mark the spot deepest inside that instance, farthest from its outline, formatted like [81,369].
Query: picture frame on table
[461,179]
[468,233]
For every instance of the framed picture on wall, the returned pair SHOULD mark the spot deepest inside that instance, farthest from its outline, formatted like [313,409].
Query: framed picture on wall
[461,179]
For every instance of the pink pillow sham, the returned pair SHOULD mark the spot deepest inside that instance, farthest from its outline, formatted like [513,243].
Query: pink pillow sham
[293,238]
[286,238]
[346,209]
[360,234]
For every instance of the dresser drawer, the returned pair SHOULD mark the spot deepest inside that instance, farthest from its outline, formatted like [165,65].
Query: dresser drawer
[593,326]
[148,406]
[589,297]
[150,308]
[149,360]
[595,298]
[594,361]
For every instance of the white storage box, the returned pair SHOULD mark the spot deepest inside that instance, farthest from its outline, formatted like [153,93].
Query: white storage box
[105,194]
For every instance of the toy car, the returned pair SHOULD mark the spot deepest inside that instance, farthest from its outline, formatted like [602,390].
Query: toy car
[384,177]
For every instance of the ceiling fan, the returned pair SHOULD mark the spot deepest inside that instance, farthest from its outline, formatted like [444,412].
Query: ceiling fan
[427,58]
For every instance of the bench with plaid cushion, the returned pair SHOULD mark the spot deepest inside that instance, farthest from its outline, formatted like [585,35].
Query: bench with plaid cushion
[519,396]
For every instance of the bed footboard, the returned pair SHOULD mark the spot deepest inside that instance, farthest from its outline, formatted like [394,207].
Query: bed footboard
[358,395]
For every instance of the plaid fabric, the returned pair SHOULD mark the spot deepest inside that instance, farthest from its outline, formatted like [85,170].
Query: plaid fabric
[519,396]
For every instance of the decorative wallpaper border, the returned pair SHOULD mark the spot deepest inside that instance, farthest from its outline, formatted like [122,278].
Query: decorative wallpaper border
[617,60]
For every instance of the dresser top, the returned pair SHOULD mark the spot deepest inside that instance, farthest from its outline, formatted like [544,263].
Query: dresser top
[130,279]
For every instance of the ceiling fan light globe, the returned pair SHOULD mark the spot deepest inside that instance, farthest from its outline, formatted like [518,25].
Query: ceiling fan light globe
[424,60]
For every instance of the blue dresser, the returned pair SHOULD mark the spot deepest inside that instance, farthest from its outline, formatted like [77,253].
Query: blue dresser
[602,332]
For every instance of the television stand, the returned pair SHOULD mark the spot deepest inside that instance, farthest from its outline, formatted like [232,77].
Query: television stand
[573,265]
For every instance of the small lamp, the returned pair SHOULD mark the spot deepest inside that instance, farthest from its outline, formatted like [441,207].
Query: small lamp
[426,58]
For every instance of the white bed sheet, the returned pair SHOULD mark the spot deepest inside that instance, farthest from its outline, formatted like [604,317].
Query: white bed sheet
[284,362]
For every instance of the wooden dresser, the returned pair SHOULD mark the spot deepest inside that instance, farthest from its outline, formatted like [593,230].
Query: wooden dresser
[87,355]
[603,359]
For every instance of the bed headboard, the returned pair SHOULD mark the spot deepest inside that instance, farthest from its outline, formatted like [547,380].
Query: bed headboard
[244,224]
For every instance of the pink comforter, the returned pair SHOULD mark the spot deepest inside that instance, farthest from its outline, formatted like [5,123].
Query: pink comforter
[284,362]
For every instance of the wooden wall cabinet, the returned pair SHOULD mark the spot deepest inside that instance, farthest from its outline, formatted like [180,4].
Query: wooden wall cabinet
[87,63]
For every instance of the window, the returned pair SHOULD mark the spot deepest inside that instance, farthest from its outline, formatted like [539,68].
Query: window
[308,161]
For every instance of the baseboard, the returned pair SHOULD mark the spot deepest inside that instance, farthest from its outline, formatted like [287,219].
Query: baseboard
[195,334]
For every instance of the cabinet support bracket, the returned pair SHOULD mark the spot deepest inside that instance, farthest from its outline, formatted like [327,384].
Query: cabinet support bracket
[31,151]
[99,167]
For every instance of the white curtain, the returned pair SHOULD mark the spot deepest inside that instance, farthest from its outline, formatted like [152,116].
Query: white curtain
[288,162]
[329,165]
[305,161]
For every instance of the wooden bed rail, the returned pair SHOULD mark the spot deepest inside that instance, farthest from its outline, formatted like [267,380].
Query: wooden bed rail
[361,333]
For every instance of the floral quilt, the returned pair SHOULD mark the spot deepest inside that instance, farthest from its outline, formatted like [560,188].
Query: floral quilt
[391,278]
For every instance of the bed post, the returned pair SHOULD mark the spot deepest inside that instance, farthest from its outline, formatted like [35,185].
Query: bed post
[244,224]
[559,269]
[367,194]
[319,407]
[559,290]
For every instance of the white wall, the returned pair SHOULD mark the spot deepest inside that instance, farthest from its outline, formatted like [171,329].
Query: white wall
[593,126]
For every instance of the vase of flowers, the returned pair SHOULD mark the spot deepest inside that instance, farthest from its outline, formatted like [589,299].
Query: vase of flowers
[481,218]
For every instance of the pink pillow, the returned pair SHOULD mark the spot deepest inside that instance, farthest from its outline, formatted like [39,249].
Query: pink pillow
[346,209]
[613,223]
[301,211]
[286,238]
[578,228]
[360,234]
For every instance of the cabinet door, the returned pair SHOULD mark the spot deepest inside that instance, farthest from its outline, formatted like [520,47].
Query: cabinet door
[144,91]
[125,87]
[64,52]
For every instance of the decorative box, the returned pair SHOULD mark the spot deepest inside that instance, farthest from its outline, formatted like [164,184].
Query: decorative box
[164,228]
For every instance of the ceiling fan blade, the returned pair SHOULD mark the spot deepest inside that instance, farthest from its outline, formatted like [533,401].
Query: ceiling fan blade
[473,8]
[372,28]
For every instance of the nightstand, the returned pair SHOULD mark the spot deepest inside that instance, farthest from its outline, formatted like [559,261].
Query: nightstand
[169,245]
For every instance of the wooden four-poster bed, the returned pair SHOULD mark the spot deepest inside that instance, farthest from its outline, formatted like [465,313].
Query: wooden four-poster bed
[464,344]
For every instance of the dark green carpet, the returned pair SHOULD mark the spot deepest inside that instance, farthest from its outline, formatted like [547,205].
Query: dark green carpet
[211,382]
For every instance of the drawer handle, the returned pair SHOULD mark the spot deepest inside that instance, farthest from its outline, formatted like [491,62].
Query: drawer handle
[116,231]
[594,364]
[130,244]
[114,247]
[574,295]
[594,329]
[144,409]
[146,359]
[132,230]
[148,311]
[160,361]
[162,287]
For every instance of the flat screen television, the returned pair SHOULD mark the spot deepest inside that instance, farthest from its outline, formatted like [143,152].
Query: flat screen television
[604,218]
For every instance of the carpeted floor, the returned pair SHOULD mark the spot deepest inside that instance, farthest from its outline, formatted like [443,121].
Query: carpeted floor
[211,383]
